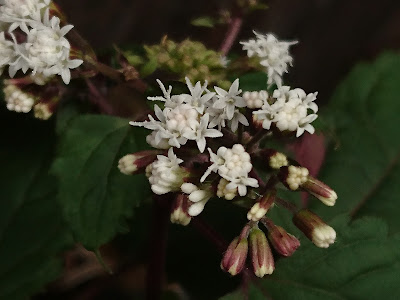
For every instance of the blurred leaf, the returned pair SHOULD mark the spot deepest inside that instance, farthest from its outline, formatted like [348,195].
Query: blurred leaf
[32,232]
[362,264]
[204,21]
[365,169]
[95,196]
[253,81]
[149,67]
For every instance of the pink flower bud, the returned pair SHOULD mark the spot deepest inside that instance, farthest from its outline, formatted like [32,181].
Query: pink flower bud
[179,211]
[137,162]
[320,190]
[235,256]
[284,243]
[261,255]
[314,228]
[262,206]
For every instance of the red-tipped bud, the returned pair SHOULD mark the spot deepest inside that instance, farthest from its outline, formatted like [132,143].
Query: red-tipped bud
[284,243]
[261,255]
[320,190]
[179,211]
[235,256]
[262,206]
[314,228]
[293,177]
[137,162]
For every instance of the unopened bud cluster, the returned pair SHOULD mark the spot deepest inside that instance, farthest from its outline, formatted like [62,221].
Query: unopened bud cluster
[209,148]
[187,57]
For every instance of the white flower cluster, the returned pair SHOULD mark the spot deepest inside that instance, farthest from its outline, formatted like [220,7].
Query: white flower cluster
[194,116]
[165,175]
[234,165]
[44,49]
[289,110]
[274,55]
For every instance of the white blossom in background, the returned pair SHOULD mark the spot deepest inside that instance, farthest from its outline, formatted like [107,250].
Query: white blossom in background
[165,175]
[46,51]
[274,55]
[22,11]
[17,100]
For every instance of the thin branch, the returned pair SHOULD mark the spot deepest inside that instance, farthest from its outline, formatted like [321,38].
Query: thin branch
[233,31]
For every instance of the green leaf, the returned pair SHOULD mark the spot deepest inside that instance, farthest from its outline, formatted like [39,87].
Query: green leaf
[253,82]
[362,264]
[95,196]
[365,170]
[32,231]
[203,22]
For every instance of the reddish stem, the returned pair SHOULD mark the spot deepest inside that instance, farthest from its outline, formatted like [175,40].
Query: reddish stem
[234,28]
[210,234]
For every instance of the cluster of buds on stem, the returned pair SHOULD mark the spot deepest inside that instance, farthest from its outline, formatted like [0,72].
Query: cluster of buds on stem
[208,149]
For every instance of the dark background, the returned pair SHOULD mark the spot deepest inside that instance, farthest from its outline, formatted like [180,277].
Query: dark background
[333,34]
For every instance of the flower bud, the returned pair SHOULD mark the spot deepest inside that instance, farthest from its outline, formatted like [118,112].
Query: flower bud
[18,100]
[136,162]
[179,211]
[284,243]
[293,177]
[44,110]
[222,191]
[320,190]
[235,256]
[314,228]
[261,207]
[261,255]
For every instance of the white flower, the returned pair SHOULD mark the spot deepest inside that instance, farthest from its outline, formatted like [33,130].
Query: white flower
[293,115]
[233,165]
[197,99]
[241,183]
[229,101]
[165,175]
[201,132]
[238,117]
[47,51]
[267,113]
[17,100]
[274,55]
[7,52]
[19,11]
